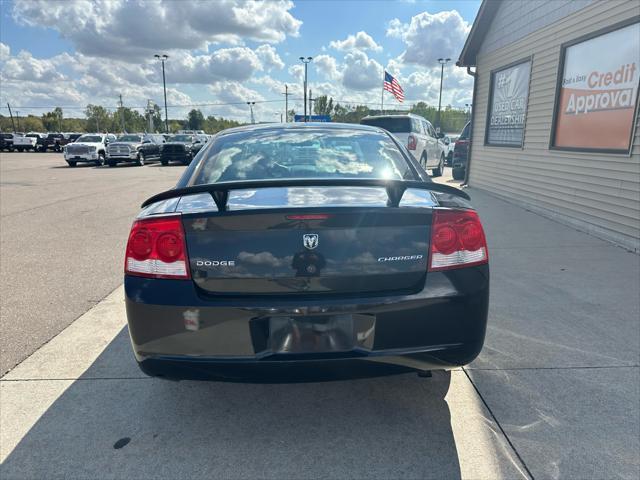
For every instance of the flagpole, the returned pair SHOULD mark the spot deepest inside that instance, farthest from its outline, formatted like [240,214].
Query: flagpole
[382,95]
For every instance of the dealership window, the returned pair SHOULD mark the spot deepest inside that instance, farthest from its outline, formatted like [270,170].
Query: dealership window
[507,112]
[597,91]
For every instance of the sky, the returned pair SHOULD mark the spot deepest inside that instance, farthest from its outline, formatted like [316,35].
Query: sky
[223,53]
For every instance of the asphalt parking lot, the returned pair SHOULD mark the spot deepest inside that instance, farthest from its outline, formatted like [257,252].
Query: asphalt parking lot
[63,236]
[554,394]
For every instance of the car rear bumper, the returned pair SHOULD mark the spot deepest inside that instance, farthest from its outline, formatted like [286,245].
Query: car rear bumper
[180,332]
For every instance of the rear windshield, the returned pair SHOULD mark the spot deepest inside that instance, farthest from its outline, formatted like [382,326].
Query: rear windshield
[182,138]
[90,139]
[274,154]
[129,138]
[465,132]
[391,124]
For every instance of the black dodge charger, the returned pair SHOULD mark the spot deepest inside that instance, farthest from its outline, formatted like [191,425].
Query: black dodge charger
[305,251]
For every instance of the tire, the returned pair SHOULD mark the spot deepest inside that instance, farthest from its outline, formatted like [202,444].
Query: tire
[140,161]
[20,149]
[449,159]
[112,163]
[164,162]
[437,172]
[71,163]
[458,173]
[100,161]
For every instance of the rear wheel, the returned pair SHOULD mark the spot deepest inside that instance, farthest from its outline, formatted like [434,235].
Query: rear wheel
[71,163]
[458,173]
[140,161]
[437,172]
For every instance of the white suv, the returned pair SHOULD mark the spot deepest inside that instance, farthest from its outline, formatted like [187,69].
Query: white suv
[417,134]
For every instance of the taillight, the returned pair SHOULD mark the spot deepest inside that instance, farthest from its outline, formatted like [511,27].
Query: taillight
[157,249]
[412,142]
[457,240]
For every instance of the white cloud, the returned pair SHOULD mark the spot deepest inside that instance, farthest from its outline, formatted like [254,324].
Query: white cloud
[359,41]
[5,52]
[396,28]
[236,63]
[326,66]
[297,72]
[25,66]
[361,72]
[131,30]
[428,37]
[424,85]
[269,56]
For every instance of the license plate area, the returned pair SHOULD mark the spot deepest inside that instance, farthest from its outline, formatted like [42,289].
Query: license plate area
[321,333]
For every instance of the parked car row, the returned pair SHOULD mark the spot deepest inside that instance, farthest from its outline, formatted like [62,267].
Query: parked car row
[36,141]
[137,148]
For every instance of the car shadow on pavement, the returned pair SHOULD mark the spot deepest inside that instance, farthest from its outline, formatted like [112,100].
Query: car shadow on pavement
[113,422]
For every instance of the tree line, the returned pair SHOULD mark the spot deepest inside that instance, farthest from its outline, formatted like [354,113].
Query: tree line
[99,119]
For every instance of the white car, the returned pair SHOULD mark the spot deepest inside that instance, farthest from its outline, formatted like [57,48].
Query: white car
[448,142]
[417,134]
[90,147]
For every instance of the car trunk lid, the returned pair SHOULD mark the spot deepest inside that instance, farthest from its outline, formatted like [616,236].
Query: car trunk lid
[309,240]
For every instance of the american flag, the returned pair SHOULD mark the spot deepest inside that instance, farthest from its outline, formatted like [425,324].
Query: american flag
[392,85]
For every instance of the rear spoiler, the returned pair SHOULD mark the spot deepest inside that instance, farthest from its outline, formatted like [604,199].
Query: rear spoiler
[220,191]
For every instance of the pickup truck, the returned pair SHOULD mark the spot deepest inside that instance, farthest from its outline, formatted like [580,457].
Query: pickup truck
[135,148]
[55,141]
[6,142]
[90,147]
[25,143]
[181,148]
[40,140]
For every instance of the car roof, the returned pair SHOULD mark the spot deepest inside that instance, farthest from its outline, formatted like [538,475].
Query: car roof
[329,126]
[397,115]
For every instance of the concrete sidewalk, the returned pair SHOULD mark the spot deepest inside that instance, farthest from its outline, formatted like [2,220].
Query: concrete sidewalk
[555,393]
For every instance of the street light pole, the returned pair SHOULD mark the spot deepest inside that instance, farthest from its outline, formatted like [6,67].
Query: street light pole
[251,104]
[306,62]
[443,62]
[163,58]
[286,102]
